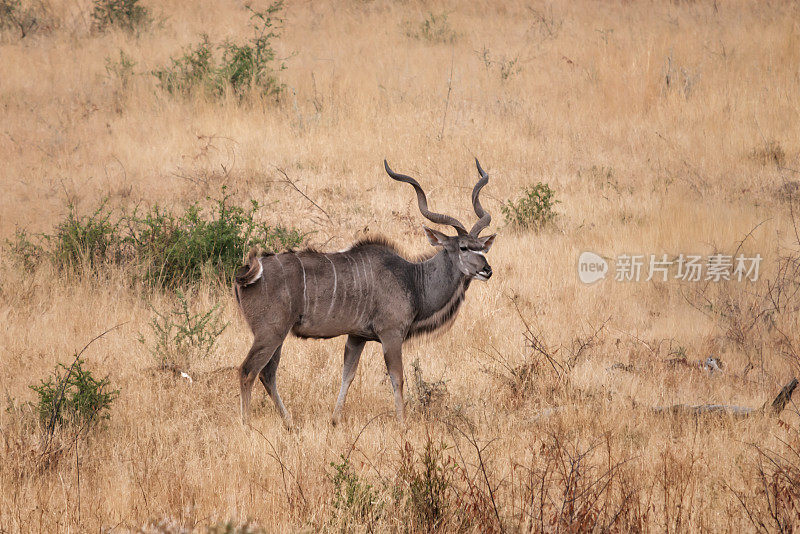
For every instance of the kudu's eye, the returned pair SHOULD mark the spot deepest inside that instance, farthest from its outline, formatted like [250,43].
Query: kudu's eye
[463,248]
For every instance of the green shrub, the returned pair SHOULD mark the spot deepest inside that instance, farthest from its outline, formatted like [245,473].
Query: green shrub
[71,395]
[509,67]
[194,70]
[122,69]
[27,252]
[533,210]
[85,239]
[182,336]
[168,250]
[241,68]
[427,485]
[24,16]
[176,250]
[352,496]
[128,15]
[434,28]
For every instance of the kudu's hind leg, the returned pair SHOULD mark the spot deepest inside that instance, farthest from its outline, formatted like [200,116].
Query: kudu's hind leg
[352,354]
[269,379]
[259,356]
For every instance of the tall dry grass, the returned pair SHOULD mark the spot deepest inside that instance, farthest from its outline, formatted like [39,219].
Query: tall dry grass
[658,125]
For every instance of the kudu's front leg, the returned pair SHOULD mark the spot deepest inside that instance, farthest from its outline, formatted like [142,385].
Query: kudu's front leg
[393,356]
[352,354]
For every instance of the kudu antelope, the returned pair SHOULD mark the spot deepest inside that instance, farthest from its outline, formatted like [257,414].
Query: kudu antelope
[368,292]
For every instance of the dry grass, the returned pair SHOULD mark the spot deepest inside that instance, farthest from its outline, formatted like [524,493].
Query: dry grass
[639,164]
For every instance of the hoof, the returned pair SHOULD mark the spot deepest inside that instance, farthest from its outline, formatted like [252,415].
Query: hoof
[289,425]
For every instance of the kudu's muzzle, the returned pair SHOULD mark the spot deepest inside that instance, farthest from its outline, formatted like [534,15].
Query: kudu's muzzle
[485,273]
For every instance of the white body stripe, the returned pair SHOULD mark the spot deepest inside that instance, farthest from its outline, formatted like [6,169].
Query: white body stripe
[305,298]
[335,282]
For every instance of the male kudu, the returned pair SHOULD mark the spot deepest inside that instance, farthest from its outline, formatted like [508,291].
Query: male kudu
[368,292]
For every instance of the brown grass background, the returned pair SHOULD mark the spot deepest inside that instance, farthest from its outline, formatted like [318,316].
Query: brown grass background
[639,166]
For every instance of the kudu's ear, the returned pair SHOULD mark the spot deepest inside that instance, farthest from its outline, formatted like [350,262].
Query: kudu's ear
[487,242]
[437,238]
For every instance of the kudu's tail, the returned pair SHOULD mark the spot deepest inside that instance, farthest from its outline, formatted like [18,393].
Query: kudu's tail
[251,271]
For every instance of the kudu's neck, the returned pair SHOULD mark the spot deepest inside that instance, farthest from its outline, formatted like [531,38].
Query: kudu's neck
[441,284]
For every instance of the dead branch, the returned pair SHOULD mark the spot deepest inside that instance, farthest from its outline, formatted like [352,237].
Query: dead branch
[292,183]
[284,469]
[783,397]
[472,439]
[449,90]
[535,342]
[774,409]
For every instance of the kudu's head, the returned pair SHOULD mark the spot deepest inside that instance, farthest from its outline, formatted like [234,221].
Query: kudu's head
[466,249]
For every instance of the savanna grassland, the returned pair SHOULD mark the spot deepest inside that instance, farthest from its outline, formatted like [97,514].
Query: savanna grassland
[662,127]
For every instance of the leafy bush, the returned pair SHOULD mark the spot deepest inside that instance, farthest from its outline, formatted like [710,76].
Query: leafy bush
[182,336]
[533,210]
[169,250]
[352,496]
[121,69]
[72,395]
[426,488]
[434,28]
[174,250]
[85,239]
[507,67]
[194,70]
[24,250]
[24,17]
[128,15]
[241,68]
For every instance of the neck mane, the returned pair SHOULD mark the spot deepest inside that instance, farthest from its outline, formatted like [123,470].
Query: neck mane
[441,289]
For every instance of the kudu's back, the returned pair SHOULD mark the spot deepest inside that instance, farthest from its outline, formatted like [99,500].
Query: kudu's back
[318,295]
